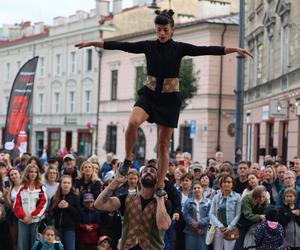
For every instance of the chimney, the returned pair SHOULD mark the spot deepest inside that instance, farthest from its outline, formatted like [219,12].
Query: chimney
[102,8]
[38,28]
[213,8]
[59,20]
[141,2]
[117,6]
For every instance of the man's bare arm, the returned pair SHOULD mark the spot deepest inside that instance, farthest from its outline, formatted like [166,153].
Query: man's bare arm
[105,201]
[163,219]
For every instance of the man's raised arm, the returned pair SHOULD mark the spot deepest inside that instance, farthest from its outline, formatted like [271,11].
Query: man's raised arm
[105,201]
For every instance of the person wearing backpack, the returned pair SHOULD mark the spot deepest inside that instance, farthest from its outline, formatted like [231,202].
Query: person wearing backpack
[49,241]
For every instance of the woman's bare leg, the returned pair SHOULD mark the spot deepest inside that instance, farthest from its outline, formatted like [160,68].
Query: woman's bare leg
[164,136]
[137,117]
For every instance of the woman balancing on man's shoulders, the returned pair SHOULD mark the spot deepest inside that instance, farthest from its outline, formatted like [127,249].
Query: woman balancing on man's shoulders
[159,99]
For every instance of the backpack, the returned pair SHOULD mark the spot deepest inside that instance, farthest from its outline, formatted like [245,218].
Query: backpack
[40,245]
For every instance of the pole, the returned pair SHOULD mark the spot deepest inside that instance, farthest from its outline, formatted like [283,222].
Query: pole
[240,89]
[98,96]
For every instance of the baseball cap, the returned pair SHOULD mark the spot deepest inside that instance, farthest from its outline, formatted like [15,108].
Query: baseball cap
[173,162]
[103,238]
[196,165]
[88,197]
[69,156]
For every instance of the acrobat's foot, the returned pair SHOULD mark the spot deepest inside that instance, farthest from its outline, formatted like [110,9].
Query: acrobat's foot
[124,167]
[160,192]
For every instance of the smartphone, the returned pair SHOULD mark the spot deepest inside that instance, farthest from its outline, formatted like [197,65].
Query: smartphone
[6,184]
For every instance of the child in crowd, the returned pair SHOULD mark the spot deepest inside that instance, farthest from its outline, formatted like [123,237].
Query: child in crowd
[290,219]
[89,223]
[269,234]
[49,241]
[104,243]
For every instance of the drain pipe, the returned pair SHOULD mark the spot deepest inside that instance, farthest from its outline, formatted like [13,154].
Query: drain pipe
[218,148]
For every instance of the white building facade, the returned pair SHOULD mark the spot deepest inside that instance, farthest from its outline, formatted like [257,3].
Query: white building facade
[66,85]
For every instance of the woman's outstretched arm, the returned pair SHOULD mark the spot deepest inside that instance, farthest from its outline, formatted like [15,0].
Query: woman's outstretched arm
[131,47]
[98,44]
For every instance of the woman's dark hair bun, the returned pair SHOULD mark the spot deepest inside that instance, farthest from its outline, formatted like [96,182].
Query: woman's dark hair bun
[164,17]
[157,12]
[171,12]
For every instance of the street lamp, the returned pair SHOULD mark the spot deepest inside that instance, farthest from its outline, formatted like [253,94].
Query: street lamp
[153,5]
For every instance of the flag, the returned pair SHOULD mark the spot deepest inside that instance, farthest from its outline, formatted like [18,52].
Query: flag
[18,110]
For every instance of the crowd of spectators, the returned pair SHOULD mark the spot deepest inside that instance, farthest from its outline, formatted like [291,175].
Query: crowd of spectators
[51,205]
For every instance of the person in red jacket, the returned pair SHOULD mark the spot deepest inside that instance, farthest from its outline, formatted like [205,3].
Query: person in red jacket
[89,224]
[29,206]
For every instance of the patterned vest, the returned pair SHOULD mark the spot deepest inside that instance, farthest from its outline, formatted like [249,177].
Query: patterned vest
[139,226]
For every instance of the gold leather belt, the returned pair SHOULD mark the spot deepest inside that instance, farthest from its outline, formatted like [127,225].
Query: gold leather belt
[169,84]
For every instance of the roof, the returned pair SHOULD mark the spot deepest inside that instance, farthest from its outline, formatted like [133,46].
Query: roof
[24,39]
[232,19]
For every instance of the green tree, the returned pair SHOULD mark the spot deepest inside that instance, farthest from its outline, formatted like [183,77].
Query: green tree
[188,81]
[140,78]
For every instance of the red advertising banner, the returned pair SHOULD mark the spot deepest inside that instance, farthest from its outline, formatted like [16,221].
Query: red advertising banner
[18,110]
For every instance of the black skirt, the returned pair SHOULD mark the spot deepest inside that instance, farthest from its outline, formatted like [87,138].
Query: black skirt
[162,108]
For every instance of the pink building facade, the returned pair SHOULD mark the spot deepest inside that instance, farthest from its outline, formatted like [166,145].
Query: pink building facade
[205,125]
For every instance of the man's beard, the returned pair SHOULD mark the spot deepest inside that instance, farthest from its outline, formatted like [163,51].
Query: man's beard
[148,183]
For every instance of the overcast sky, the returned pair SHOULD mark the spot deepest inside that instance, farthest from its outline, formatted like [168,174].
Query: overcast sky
[16,11]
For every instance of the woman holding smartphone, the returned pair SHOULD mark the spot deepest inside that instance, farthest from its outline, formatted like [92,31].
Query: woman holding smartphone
[10,192]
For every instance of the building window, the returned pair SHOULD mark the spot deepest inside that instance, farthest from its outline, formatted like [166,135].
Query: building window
[89,60]
[111,138]
[285,48]
[39,142]
[270,138]
[7,71]
[42,66]
[251,70]
[71,101]
[114,84]
[249,142]
[259,63]
[271,57]
[185,142]
[72,62]
[140,78]
[54,141]
[88,101]
[56,102]
[57,64]
[41,103]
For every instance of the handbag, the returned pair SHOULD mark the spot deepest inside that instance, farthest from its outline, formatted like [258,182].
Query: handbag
[210,235]
[232,234]
[200,231]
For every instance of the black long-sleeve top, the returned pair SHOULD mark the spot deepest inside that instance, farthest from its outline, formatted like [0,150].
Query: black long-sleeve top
[163,59]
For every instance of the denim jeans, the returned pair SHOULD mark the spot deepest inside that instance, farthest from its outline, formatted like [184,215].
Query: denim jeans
[26,235]
[195,242]
[220,243]
[68,239]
